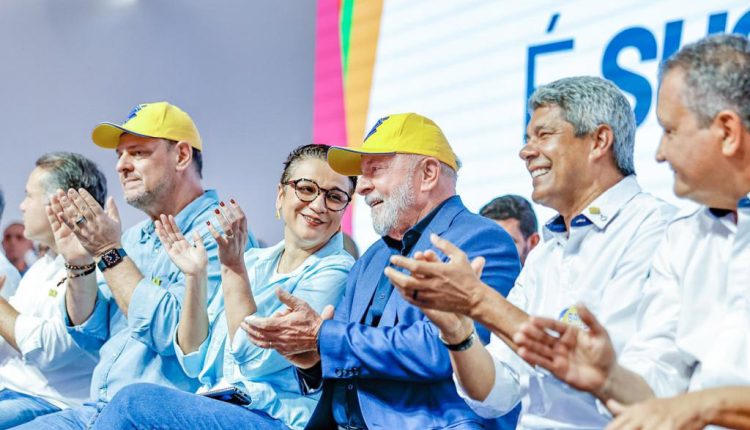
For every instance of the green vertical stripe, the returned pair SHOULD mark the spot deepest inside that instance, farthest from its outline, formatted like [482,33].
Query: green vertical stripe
[347,8]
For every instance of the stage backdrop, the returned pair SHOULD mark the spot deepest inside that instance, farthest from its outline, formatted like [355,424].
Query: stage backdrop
[242,69]
[470,65]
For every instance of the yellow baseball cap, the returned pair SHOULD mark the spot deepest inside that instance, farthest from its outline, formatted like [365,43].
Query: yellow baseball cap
[404,133]
[161,120]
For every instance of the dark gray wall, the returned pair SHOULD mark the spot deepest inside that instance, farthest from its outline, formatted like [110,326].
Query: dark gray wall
[242,69]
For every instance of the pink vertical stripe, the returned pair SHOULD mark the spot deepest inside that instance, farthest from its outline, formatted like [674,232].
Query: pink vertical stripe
[329,120]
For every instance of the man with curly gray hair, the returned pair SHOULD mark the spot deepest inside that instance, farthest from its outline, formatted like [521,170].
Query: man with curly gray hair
[597,251]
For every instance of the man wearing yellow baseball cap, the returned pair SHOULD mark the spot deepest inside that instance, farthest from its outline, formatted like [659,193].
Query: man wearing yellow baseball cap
[404,133]
[381,362]
[128,317]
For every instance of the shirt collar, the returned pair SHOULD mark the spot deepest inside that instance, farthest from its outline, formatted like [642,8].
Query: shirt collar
[602,210]
[186,216]
[412,236]
[271,254]
[743,204]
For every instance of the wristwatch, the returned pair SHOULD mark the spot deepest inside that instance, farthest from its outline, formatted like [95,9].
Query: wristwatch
[461,346]
[110,258]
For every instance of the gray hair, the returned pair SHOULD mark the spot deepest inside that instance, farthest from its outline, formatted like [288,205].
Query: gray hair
[69,170]
[447,172]
[717,76]
[588,102]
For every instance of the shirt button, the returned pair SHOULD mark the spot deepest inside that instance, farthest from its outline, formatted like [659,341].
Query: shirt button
[350,387]
[382,297]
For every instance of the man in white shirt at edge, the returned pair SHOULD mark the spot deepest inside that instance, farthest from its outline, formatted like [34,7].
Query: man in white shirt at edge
[41,368]
[7,270]
[689,338]
[597,251]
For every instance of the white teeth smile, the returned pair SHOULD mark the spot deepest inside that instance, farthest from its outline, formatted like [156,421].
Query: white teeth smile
[312,220]
[538,172]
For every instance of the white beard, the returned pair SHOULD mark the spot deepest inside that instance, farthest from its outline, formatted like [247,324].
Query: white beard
[387,214]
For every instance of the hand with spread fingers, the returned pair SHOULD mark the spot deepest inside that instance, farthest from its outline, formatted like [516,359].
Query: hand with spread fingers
[97,230]
[583,359]
[233,242]
[290,332]
[454,286]
[67,243]
[191,259]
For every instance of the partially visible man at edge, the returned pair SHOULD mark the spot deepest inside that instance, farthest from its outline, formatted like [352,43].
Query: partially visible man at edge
[7,270]
[42,370]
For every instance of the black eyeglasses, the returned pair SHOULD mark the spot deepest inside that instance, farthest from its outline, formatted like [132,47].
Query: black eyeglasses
[308,190]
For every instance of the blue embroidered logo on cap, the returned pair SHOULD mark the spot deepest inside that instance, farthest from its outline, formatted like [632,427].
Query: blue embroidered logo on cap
[134,112]
[375,127]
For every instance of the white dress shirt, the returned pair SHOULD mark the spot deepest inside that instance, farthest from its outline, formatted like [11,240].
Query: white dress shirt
[603,262]
[50,365]
[12,277]
[680,344]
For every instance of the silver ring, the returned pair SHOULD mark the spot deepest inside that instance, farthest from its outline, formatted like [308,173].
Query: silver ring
[80,220]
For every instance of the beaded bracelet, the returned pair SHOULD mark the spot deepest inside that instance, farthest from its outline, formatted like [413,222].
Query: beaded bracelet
[84,267]
[76,275]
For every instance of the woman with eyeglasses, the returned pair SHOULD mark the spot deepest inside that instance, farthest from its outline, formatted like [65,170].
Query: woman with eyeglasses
[244,386]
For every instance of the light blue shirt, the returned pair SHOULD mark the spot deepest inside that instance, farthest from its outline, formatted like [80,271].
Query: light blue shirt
[139,347]
[266,376]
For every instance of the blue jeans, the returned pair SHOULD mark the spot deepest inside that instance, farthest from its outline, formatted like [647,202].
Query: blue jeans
[69,419]
[17,408]
[149,406]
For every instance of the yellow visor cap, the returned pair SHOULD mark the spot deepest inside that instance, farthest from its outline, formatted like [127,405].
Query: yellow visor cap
[404,133]
[161,120]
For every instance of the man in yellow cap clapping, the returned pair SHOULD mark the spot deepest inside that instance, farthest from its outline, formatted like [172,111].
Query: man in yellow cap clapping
[128,316]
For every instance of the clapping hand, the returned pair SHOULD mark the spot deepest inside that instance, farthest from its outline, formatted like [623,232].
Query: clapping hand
[67,243]
[452,286]
[581,358]
[96,229]
[191,259]
[232,243]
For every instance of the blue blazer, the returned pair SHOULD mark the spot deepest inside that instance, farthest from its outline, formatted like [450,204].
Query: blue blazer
[401,369]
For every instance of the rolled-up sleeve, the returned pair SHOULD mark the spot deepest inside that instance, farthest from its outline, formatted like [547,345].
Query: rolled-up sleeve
[91,334]
[192,363]
[45,343]
[153,315]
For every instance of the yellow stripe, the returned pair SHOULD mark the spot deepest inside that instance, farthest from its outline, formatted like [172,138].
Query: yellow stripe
[363,44]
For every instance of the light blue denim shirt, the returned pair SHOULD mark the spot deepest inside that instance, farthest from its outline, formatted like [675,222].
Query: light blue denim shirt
[139,347]
[266,376]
